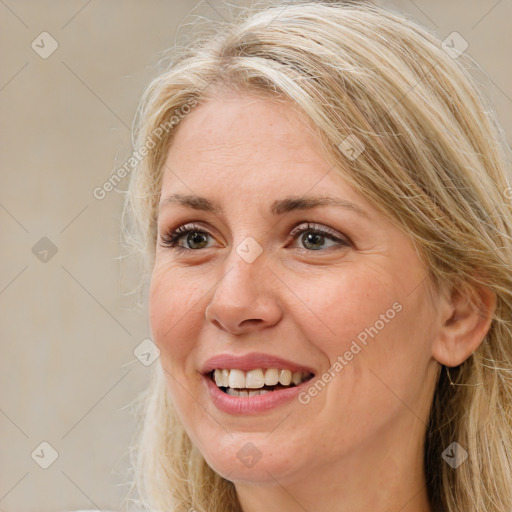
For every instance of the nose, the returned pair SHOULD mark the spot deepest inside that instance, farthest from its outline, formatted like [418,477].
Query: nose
[245,299]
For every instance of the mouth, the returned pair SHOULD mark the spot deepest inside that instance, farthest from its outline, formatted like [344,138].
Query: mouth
[258,381]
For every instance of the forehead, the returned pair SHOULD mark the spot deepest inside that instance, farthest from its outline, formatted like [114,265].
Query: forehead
[246,119]
[244,148]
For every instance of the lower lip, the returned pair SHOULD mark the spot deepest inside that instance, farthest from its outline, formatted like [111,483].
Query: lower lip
[253,404]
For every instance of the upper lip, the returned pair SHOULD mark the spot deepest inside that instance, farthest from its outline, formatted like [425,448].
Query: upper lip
[251,361]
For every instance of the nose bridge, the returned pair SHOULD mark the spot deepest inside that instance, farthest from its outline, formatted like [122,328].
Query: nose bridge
[244,293]
[244,268]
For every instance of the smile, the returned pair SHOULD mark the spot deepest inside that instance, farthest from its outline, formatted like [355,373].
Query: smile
[253,383]
[256,382]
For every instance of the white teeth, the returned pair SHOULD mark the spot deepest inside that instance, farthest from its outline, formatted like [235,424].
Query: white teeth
[254,379]
[271,377]
[297,378]
[245,393]
[285,377]
[236,379]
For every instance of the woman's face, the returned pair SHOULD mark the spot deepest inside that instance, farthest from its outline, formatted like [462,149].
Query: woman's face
[335,290]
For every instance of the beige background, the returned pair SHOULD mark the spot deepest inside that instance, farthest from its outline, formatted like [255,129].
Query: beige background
[68,330]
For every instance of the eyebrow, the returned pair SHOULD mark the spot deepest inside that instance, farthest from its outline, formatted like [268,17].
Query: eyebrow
[278,207]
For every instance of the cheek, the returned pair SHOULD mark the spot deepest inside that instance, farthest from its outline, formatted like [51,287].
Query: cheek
[379,332]
[338,307]
[367,320]
[174,314]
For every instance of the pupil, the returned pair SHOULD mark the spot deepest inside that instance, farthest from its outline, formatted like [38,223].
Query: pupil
[193,236]
[314,236]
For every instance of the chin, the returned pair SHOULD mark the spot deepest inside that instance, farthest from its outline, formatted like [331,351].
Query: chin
[250,461]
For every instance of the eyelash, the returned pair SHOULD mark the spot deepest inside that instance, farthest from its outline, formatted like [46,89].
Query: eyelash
[171,238]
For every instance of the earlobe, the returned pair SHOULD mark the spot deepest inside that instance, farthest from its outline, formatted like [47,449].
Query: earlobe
[465,320]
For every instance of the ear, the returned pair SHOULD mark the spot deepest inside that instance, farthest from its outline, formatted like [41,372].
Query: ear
[466,317]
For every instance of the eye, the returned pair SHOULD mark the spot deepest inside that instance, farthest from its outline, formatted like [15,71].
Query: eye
[195,235]
[313,237]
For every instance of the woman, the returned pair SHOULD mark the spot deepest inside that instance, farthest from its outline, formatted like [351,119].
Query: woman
[326,223]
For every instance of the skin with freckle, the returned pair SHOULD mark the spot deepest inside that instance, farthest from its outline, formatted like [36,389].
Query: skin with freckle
[304,299]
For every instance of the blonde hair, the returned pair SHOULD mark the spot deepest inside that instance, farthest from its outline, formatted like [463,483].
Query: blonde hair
[434,161]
